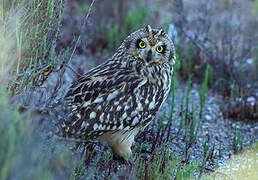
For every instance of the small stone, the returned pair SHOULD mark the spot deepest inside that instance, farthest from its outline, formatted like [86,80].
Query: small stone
[249,61]
[211,99]
[209,109]
[251,100]
[207,117]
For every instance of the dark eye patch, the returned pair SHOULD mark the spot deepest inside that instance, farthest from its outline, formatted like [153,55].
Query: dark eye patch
[137,43]
[164,48]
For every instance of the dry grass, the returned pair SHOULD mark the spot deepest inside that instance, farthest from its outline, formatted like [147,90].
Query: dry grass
[241,166]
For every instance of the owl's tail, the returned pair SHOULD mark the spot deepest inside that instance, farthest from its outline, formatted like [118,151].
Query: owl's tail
[54,119]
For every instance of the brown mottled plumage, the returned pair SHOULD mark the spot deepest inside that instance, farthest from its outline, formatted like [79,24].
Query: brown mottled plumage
[118,98]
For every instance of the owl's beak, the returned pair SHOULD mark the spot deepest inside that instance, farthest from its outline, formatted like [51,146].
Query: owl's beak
[149,56]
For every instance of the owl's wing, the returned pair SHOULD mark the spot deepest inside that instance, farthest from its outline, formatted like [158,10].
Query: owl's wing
[105,100]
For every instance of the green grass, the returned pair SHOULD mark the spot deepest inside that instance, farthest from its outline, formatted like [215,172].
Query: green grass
[165,165]
[31,28]
[256,6]
[237,143]
[204,89]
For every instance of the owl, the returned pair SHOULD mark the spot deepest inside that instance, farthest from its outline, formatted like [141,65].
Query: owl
[119,98]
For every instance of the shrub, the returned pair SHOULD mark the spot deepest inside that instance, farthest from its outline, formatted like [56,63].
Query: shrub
[30,29]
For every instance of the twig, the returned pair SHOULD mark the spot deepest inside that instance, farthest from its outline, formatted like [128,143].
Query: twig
[77,74]
[79,37]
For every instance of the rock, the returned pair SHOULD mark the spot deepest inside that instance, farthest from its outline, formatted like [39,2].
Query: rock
[207,117]
[251,100]
[249,61]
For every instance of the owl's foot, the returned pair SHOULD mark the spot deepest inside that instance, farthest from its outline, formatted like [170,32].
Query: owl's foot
[122,150]
[122,159]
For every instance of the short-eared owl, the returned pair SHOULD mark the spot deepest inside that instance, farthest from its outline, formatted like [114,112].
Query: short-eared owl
[120,97]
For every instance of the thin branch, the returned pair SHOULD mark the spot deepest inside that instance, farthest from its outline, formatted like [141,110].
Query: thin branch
[83,24]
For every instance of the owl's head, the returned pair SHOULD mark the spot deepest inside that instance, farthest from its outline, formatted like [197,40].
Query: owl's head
[150,46]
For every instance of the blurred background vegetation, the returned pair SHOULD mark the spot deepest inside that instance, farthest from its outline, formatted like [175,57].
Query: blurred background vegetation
[44,45]
[220,34]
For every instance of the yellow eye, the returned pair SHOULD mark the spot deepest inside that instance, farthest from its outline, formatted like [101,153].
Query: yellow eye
[142,44]
[159,49]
